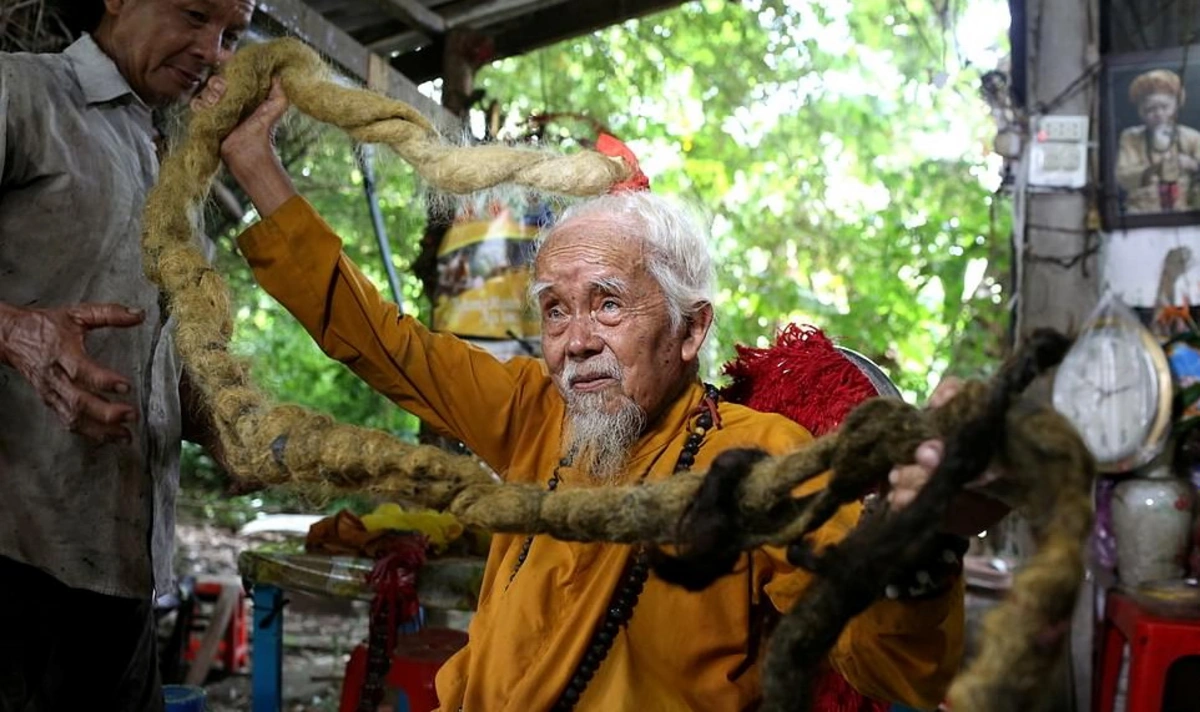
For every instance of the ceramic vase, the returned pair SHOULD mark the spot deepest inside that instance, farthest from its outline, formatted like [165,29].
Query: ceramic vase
[1152,520]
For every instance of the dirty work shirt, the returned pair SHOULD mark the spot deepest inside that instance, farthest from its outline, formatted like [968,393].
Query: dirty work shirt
[76,161]
[681,650]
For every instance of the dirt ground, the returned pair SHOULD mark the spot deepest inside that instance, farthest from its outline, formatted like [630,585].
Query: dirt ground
[318,633]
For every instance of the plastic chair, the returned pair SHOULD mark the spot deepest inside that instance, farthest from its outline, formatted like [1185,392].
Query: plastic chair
[415,663]
[1155,643]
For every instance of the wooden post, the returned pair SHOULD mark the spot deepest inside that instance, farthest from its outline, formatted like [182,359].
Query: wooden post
[458,83]
[458,72]
[1062,47]
[1056,239]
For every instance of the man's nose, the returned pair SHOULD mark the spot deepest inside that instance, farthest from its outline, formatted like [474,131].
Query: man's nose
[209,46]
[582,339]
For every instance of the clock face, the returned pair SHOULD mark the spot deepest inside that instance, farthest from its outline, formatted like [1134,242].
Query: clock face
[1107,386]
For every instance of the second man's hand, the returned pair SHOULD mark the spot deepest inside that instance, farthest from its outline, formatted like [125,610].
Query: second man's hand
[46,346]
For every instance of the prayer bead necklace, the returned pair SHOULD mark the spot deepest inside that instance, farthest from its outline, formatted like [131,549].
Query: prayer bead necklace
[637,569]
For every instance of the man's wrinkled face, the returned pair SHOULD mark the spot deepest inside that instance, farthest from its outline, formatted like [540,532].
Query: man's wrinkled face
[166,49]
[606,329]
[1158,110]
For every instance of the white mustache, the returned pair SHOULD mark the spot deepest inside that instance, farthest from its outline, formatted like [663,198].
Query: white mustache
[599,367]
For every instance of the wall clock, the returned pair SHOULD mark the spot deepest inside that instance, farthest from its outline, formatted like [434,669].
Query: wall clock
[1115,387]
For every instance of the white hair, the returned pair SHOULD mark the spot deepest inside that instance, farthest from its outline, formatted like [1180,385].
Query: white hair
[674,237]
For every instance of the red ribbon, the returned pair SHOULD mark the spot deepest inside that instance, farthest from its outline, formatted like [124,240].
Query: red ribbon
[615,147]
[394,579]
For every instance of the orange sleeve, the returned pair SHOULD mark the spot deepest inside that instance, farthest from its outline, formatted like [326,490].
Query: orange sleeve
[460,390]
[896,650]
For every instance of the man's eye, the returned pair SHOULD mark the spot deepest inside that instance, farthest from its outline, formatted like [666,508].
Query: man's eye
[555,313]
[196,16]
[610,305]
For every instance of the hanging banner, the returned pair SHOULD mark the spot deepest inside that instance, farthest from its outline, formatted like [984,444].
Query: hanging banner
[484,266]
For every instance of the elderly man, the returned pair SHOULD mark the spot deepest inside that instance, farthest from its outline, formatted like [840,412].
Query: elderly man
[90,413]
[623,284]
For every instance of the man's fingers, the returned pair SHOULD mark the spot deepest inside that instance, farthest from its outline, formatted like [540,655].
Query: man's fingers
[60,407]
[210,94]
[92,316]
[945,391]
[94,377]
[95,408]
[274,107]
[84,412]
[103,432]
[907,480]
[929,454]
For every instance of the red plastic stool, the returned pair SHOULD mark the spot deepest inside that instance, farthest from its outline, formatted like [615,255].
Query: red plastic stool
[1154,644]
[415,663]
[233,652]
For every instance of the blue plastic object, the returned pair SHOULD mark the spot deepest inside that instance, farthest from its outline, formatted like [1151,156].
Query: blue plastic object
[266,672]
[184,698]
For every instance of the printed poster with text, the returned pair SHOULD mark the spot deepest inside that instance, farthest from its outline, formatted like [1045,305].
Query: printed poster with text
[484,268]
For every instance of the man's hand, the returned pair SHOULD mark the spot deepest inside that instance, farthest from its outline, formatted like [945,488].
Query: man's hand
[970,513]
[249,150]
[46,347]
[907,480]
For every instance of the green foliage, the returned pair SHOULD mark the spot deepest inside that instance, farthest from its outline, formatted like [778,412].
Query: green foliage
[814,135]
[835,147]
[284,359]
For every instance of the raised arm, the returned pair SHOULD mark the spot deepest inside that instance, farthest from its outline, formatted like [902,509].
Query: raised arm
[460,390]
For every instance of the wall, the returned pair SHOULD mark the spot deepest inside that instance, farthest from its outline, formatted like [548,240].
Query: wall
[1142,265]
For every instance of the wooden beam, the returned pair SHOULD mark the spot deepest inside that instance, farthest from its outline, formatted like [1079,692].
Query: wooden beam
[471,16]
[415,15]
[350,57]
[403,43]
[496,11]
[537,29]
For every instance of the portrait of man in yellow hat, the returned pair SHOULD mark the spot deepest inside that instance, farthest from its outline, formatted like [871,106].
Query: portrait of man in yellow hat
[1157,158]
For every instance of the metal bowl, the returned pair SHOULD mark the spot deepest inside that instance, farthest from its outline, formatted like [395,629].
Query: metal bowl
[883,385]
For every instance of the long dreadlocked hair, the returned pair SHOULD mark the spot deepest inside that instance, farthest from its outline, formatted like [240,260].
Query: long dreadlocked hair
[287,444]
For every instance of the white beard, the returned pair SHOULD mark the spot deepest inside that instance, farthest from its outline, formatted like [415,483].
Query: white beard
[601,427]
[1163,137]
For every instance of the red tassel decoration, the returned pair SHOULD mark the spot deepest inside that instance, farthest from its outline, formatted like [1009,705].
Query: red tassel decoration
[802,377]
[834,694]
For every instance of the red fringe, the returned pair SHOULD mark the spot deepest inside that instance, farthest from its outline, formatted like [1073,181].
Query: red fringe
[834,694]
[804,378]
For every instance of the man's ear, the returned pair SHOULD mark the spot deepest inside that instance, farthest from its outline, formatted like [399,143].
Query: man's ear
[696,329]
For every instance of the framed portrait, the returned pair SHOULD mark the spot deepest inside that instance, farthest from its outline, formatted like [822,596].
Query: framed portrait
[1151,132]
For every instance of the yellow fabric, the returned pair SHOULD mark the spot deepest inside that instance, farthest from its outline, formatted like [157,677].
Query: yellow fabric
[441,528]
[681,650]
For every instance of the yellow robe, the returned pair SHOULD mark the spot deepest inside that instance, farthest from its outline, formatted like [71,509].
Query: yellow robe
[680,650]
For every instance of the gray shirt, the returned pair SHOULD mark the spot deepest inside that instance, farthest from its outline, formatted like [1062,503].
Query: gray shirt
[77,159]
